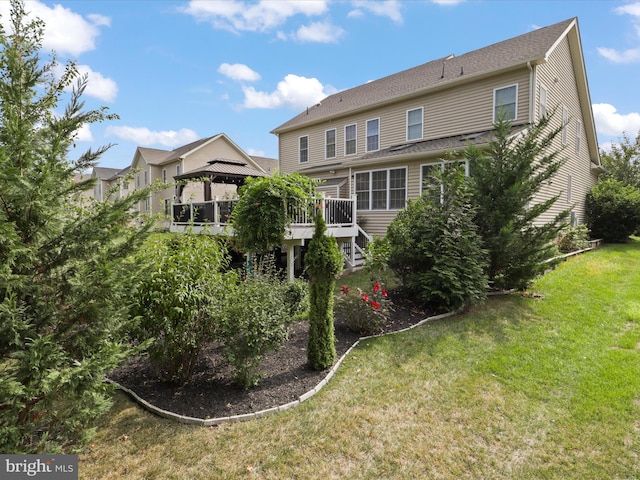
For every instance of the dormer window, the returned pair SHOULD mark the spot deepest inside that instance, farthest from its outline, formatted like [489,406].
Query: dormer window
[505,103]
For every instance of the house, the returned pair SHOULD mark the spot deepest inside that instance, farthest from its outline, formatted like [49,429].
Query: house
[378,141]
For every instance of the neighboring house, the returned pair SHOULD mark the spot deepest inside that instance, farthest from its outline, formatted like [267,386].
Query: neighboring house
[152,164]
[378,141]
[104,182]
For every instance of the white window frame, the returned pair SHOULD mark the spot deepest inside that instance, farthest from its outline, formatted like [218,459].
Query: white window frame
[495,105]
[376,135]
[348,140]
[565,123]
[544,95]
[411,139]
[578,135]
[178,170]
[441,165]
[387,187]
[327,144]
[303,152]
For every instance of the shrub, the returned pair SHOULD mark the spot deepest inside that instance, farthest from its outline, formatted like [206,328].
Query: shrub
[256,319]
[323,262]
[435,247]
[365,313]
[572,239]
[179,298]
[613,210]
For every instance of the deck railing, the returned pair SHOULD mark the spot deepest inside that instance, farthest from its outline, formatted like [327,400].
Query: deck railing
[337,212]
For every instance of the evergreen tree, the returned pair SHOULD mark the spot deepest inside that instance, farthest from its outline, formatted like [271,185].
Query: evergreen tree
[507,175]
[435,247]
[324,262]
[61,265]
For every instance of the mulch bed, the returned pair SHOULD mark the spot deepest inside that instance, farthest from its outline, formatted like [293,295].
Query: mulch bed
[286,376]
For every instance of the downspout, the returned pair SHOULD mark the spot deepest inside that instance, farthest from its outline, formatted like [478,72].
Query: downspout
[532,91]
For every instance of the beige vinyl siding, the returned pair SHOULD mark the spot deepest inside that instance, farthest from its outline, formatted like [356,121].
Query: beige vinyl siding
[463,109]
[557,75]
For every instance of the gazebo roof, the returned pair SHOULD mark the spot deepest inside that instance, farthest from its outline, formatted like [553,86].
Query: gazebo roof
[222,170]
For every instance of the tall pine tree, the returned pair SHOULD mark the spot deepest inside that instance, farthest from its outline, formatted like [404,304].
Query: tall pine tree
[506,177]
[62,268]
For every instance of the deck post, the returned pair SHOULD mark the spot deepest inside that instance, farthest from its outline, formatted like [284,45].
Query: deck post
[291,257]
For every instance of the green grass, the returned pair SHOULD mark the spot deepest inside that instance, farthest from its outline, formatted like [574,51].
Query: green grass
[519,387]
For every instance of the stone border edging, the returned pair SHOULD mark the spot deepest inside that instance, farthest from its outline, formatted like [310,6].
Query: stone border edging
[208,422]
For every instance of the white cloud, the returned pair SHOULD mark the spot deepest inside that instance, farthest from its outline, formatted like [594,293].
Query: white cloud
[99,86]
[610,122]
[630,9]
[239,72]
[630,55]
[321,32]
[447,2]
[66,32]
[627,56]
[144,137]
[294,92]
[84,134]
[386,8]
[238,16]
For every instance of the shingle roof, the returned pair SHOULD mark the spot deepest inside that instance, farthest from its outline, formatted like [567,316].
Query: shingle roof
[530,47]
[266,163]
[104,173]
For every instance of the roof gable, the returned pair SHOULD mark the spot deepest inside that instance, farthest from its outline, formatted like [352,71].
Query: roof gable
[531,48]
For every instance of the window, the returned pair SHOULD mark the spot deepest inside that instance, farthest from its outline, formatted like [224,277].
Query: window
[178,170]
[543,101]
[373,135]
[350,132]
[427,171]
[505,104]
[166,206]
[569,180]
[397,188]
[125,184]
[146,177]
[303,149]
[164,175]
[362,191]
[381,189]
[137,180]
[330,143]
[414,124]
[147,204]
[565,122]
[578,135]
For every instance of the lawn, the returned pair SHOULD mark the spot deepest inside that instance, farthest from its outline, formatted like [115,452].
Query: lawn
[527,387]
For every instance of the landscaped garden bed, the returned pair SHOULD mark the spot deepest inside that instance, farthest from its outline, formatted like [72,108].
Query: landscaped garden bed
[212,393]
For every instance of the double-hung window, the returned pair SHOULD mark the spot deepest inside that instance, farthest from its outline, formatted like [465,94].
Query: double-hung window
[373,135]
[303,149]
[330,143]
[505,103]
[578,135]
[164,175]
[178,169]
[414,124]
[543,101]
[427,179]
[146,178]
[565,123]
[381,189]
[350,132]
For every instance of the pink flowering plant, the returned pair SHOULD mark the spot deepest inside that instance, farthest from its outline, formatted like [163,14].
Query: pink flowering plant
[364,312]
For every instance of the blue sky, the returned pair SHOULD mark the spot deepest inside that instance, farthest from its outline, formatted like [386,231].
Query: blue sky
[178,71]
